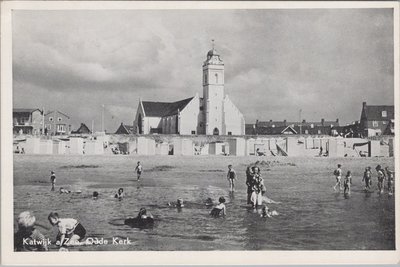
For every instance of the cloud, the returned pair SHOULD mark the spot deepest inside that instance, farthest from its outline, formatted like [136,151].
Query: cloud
[325,62]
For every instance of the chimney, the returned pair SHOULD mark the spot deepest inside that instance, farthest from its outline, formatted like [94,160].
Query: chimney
[322,121]
[284,121]
[337,120]
[364,104]
[304,121]
[270,120]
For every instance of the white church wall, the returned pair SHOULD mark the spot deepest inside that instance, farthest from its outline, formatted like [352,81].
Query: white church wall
[151,122]
[234,120]
[188,117]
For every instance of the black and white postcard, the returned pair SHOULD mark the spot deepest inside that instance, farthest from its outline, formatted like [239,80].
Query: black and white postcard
[199,132]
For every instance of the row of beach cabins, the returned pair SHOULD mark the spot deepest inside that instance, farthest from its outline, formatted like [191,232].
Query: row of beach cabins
[260,146]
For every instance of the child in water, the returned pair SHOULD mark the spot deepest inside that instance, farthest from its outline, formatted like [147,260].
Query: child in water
[381,177]
[71,232]
[64,191]
[231,176]
[220,209]
[143,214]
[120,194]
[178,204]
[390,178]
[267,213]
[53,180]
[95,195]
[347,183]
[367,178]
[34,240]
[138,170]
[338,175]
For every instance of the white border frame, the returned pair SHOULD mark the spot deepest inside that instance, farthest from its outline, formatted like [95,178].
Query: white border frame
[8,256]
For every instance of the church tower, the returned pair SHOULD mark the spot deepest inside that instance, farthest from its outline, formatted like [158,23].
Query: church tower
[213,93]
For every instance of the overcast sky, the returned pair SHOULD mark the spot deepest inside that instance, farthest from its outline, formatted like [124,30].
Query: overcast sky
[325,62]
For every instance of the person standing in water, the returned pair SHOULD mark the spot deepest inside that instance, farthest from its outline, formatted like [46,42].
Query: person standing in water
[53,180]
[367,178]
[381,177]
[390,178]
[231,176]
[139,170]
[338,175]
[347,183]
[249,182]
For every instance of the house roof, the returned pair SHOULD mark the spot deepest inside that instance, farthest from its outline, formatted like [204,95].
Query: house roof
[374,113]
[163,109]
[24,110]
[82,129]
[125,129]
[52,111]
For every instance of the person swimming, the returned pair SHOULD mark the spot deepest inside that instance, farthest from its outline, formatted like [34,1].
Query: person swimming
[119,194]
[142,220]
[267,213]
[220,209]
[178,204]
[209,202]
[95,195]
[64,191]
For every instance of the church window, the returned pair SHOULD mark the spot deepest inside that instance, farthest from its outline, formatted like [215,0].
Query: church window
[205,78]
[216,78]
[384,113]
[229,133]
[201,108]
[193,132]
[51,119]
[59,118]
[374,123]
[312,125]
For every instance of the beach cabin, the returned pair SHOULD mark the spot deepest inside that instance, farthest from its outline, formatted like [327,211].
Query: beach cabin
[32,146]
[46,147]
[237,147]
[76,146]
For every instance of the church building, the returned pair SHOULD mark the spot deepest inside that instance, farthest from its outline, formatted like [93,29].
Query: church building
[212,114]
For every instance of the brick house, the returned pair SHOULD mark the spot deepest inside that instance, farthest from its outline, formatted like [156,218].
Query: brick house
[376,120]
[57,123]
[27,121]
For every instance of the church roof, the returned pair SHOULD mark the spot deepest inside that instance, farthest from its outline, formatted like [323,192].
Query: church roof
[163,109]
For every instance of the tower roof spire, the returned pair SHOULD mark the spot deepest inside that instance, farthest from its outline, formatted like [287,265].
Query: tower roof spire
[213,44]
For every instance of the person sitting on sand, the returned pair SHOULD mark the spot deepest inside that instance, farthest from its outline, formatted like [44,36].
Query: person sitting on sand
[266,213]
[347,183]
[178,204]
[28,238]
[64,191]
[220,209]
[95,195]
[71,232]
[120,194]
